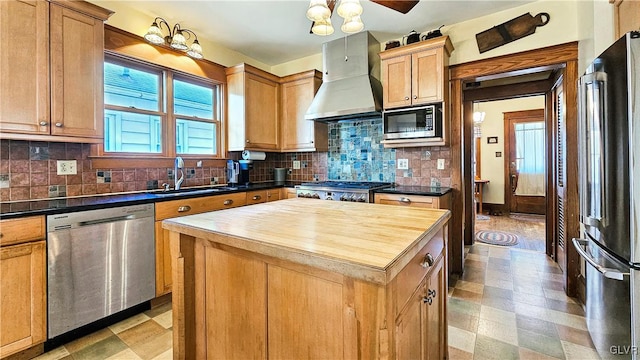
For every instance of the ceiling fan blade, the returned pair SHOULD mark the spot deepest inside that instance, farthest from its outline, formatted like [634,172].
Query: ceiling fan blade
[403,6]
[331,4]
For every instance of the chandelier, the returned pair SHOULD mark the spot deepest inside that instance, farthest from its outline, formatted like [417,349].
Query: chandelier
[176,38]
[320,13]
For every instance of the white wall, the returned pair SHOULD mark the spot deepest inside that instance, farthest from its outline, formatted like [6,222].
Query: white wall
[492,167]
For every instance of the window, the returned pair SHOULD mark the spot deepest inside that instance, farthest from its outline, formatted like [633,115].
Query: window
[138,117]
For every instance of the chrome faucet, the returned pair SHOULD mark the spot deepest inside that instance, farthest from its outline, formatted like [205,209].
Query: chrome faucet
[178,165]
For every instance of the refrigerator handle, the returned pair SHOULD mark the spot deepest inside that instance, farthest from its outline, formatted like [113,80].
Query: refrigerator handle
[581,247]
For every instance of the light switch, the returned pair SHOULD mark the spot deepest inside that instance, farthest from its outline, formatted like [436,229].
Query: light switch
[403,164]
[67,167]
[296,164]
[440,164]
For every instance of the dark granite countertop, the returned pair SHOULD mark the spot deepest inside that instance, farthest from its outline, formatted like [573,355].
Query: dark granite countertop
[64,205]
[415,190]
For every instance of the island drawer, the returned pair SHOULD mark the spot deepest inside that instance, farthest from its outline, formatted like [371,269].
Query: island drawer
[412,274]
[432,202]
[182,207]
[16,231]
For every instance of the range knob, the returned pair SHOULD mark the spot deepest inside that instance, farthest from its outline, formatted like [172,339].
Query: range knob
[300,195]
[362,199]
[329,197]
[352,198]
[307,195]
[344,198]
[315,196]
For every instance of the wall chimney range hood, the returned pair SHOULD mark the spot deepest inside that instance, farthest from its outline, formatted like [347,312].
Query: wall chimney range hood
[351,87]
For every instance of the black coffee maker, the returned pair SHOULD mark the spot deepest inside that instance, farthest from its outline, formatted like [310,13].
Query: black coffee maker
[245,167]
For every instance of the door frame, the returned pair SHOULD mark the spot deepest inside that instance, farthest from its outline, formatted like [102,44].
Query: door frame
[508,118]
[563,55]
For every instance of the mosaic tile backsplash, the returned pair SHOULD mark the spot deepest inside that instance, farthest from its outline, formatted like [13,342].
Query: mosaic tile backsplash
[355,152]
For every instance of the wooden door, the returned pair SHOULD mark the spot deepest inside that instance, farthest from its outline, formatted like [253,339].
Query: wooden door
[560,174]
[525,189]
[23,302]
[298,133]
[24,67]
[427,76]
[305,316]
[396,82]
[435,321]
[77,61]
[261,109]
[410,331]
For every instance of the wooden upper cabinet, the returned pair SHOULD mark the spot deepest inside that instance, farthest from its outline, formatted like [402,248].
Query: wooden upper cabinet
[299,134]
[253,98]
[416,74]
[626,16]
[77,66]
[51,83]
[24,67]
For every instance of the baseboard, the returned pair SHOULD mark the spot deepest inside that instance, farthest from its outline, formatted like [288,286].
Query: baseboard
[489,208]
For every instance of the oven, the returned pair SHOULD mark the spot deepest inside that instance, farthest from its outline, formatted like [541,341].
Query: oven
[355,191]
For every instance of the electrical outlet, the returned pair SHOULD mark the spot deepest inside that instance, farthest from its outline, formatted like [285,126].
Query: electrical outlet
[199,163]
[403,164]
[440,164]
[67,167]
[296,164]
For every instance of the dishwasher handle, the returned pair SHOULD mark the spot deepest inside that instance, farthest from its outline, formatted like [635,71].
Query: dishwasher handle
[581,247]
[107,220]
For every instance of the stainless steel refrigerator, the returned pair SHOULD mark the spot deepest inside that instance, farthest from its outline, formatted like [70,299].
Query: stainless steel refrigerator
[609,123]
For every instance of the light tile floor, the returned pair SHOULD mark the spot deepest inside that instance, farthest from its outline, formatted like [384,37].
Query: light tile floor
[144,336]
[510,304]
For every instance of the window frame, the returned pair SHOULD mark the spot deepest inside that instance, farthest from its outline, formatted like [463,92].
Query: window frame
[167,116]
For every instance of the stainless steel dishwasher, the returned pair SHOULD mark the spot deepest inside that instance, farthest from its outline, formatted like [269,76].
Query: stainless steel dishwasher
[99,263]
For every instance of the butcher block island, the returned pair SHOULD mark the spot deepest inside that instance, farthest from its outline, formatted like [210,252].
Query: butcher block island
[310,279]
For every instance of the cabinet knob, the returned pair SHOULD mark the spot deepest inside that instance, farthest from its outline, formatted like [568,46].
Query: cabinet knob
[248,141]
[257,197]
[406,98]
[405,200]
[58,124]
[415,97]
[431,293]
[43,123]
[184,208]
[427,261]
[427,300]
[228,202]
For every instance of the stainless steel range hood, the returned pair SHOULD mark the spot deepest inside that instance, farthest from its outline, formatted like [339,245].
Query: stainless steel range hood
[351,87]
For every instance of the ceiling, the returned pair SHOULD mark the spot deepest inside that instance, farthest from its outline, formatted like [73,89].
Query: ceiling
[277,31]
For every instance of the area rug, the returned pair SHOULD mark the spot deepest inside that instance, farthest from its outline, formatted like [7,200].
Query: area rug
[496,237]
[482,217]
[527,217]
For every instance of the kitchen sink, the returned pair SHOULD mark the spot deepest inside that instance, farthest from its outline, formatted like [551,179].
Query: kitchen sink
[162,193]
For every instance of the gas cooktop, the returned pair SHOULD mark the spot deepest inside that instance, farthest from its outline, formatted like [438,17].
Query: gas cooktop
[337,184]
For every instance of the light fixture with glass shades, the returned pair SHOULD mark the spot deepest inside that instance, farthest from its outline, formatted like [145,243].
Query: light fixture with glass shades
[176,38]
[320,13]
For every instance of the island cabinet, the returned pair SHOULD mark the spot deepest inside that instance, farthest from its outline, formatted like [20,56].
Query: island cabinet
[416,74]
[23,317]
[299,134]
[344,281]
[183,207]
[252,111]
[51,87]
[261,196]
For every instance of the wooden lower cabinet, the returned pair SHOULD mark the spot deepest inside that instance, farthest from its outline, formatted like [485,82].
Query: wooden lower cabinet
[432,202]
[23,305]
[288,193]
[259,307]
[183,207]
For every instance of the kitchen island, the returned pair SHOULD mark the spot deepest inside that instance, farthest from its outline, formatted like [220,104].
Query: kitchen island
[302,278]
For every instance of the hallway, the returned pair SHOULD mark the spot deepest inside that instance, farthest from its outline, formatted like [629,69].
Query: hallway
[510,304]
[529,228]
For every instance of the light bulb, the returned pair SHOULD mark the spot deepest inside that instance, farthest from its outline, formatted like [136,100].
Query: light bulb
[179,42]
[196,50]
[352,25]
[349,8]
[154,34]
[322,27]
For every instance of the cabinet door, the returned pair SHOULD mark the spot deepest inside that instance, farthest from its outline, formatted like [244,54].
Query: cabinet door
[427,77]
[298,133]
[396,80]
[77,47]
[23,301]
[409,328]
[435,320]
[261,109]
[24,66]
[163,260]
[273,195]
[256,197]
[305,316]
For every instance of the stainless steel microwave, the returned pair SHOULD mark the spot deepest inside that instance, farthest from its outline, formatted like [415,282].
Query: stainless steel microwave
[417,122]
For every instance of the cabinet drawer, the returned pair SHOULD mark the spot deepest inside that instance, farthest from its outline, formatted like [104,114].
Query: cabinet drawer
[411,275]
[408,200]
[175,208]
[16,231]
[273,194]
[256,197]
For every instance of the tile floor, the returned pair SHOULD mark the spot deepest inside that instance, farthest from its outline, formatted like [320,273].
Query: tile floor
[510,304]
[143,336]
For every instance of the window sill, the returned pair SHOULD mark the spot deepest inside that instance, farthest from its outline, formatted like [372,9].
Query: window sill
[139,161]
